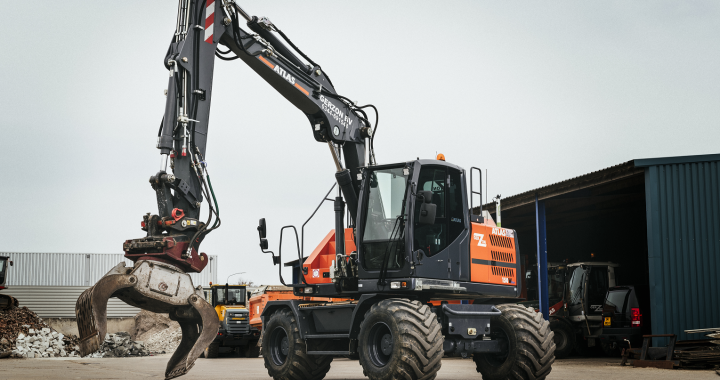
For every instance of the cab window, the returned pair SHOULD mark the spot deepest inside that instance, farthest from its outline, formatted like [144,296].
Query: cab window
[432,238]
[229,296]
[384,224]
[447,194]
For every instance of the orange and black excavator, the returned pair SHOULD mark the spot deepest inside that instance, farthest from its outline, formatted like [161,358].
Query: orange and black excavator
[6,301]
[409,237]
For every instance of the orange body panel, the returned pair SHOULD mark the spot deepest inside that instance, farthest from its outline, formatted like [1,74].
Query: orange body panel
[490,249]
[257,303]
[322,257]
[451,302]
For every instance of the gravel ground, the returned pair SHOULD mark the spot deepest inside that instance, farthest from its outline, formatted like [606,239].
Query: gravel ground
[252,369]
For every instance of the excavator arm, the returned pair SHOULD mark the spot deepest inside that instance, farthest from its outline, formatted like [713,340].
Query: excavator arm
[159,280]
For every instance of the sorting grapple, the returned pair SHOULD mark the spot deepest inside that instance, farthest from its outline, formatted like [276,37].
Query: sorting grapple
[157,287]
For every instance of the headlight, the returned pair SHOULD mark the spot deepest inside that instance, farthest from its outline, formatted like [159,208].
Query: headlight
[398,284]
[308,290]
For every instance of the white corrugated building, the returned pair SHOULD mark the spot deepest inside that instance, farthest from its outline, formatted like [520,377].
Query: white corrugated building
[50,283]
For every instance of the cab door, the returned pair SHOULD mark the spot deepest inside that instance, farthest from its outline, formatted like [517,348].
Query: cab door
[444,244]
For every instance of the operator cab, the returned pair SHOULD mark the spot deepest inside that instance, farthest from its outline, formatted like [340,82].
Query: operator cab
[228,295]
[414,232]
[411,214]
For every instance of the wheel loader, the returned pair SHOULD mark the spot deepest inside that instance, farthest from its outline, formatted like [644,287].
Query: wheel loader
[235,333]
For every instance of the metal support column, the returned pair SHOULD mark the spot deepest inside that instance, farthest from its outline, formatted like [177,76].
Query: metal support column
[543,286]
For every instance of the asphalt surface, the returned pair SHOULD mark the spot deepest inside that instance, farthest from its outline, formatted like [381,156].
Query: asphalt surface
[253,369]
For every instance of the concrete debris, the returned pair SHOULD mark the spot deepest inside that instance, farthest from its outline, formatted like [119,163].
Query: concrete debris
[25,335]
[160,333]
[43,343]
[120,345]
[165,340]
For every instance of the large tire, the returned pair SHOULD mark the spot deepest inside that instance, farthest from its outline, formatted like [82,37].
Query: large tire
[529,342]
[212,351]
[284,352]
[400,339]
[252,350]
[564,338]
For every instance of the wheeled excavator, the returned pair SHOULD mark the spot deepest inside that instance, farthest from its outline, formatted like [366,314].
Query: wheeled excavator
[409,237]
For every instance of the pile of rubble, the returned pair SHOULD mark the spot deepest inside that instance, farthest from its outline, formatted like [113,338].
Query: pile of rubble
[25,335]
[164,341]
[120,345]
[18,321]
[42,343]
[160,333]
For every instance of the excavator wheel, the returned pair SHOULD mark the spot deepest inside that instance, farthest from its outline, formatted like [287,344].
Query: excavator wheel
[530,346]
[8,302]
[284,351]
[400,339]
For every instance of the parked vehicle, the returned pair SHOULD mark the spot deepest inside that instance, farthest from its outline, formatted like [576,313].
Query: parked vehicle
[235,333]
[576,293]
[625,317]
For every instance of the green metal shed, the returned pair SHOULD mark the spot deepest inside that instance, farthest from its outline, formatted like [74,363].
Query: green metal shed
[659,218]
[682,198]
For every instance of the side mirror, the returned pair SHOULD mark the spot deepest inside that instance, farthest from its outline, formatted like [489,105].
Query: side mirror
[263,244]
[11,263]
[427,213]
[262,229]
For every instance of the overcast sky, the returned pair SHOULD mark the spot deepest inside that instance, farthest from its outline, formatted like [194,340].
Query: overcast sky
[536,92]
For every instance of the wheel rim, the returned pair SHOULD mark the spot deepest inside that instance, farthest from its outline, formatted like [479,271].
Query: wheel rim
[380,344]
[502,336]
[279,346]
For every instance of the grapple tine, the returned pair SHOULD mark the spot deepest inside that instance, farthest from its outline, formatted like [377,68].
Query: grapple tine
[91,310]
[199,328]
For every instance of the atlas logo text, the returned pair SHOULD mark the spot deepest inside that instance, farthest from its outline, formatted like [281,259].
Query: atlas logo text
[279,70]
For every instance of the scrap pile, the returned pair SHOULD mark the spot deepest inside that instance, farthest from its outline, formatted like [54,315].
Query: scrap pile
[24,334]
[699,353]
[18,321]
[120,345]
[687,354]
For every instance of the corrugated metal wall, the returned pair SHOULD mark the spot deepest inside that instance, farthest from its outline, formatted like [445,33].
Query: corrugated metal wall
[683,219]
[77,269]
[59,301]
[50,283]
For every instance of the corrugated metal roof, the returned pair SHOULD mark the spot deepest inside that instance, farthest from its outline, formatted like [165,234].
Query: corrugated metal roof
[683,232]
[59,301]
[584,181]
[77,269]
[643,162]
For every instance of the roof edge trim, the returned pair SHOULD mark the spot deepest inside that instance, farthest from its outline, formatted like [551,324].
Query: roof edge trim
[645,162]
